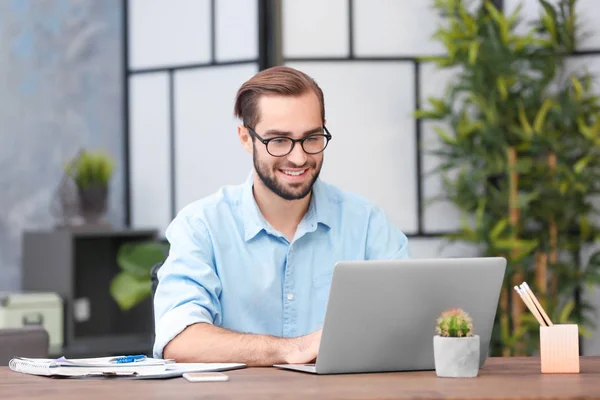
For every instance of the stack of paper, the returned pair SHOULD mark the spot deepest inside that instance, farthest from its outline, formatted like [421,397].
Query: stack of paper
[146,368]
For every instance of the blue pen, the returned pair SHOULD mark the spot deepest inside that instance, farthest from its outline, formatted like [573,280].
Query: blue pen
[128,359]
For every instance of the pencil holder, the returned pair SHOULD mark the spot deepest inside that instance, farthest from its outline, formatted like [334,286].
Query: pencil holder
[559,349]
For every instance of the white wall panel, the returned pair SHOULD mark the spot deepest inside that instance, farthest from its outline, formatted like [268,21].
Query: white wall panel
[395,28]
[439,216]
[208,152]
[587,12]
[313,28]
[149,151]
[164,33]
[372,153]
[440,248]
[236,30]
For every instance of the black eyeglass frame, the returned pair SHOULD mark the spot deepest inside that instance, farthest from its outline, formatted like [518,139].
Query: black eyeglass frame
[294,141]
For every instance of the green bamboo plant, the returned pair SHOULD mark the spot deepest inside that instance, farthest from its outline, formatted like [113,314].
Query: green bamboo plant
[520,157]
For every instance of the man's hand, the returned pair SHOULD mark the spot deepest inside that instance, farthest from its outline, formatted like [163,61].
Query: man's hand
[206,343]
[304,349]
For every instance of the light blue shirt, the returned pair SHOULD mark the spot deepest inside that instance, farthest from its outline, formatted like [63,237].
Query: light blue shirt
[228,267]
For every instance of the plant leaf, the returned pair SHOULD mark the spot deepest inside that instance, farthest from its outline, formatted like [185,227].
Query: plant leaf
[585,332]
[565,314]
[473,51]
[540,118]
[129,291]
[498,229]
[578,88]
[523,119]
[500,20]
[444,136]
[581,164]
[585,130]
[501,84]
[549,19]
[424,114]
[138,258]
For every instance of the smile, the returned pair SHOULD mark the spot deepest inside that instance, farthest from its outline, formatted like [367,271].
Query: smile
[293,172]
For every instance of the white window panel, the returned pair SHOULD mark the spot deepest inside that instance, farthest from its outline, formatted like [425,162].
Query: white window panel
[395,28]
[441,248]
[530,10]
[596,202]
[208,152]
[236,30]
[315,28]
[149,151]
[591,345]
[369,109]
[587,14]
[166,33]
[582,64]
[438,216]
[591,64]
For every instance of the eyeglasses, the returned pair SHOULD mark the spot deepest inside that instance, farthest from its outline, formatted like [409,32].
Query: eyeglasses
[282,146]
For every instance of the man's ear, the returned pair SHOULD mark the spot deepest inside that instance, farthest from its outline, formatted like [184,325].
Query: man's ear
[245,138]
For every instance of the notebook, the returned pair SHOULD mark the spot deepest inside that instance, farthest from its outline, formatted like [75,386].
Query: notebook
[150,368]
[85,367]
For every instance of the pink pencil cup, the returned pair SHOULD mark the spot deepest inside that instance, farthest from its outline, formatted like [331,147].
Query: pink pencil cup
[559,349]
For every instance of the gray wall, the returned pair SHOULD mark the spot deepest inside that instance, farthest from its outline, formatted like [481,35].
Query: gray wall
[60,74]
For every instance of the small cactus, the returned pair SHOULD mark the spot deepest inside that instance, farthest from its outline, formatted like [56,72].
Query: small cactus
[454,323]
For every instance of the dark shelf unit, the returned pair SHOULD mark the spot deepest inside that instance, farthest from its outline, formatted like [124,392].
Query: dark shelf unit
[79,265]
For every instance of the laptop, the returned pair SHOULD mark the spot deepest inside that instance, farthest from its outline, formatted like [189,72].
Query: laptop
[381,315]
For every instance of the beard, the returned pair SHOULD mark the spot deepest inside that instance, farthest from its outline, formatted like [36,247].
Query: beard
[268,176]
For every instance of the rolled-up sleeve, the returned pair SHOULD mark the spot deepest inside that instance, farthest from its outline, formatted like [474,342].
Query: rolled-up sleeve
[384,240]
[189,288]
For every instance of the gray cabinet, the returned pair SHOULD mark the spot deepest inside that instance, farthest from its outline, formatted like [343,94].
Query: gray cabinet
[79,265]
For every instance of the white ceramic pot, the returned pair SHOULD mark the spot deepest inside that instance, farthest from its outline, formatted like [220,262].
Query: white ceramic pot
[456,357]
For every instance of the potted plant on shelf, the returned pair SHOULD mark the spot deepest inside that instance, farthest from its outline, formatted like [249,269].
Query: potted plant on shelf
[455,347]
[91,172]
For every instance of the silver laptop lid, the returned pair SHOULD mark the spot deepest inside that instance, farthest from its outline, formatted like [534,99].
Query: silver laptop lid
[381,315]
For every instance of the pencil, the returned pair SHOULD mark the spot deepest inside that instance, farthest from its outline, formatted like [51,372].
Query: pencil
[537,303]
[530,305]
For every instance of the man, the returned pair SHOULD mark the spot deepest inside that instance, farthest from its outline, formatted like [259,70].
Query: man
[249,270]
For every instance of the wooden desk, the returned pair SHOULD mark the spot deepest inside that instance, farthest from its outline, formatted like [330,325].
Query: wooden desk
[507,378]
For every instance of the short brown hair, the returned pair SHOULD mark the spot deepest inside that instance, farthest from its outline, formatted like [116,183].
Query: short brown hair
[275,80]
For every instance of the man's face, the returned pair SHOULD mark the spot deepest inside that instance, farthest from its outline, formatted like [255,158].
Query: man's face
[292,176]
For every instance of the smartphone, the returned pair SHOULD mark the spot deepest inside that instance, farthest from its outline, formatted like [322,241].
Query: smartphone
[205,376]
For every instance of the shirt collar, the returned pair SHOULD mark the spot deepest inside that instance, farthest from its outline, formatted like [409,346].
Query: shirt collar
[319,210]
[254,222]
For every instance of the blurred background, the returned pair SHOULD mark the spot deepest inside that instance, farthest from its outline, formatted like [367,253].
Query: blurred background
[473,124]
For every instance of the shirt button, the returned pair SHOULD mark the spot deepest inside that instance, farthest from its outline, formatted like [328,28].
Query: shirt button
[290,296]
